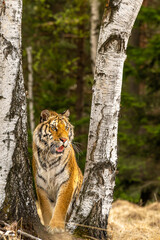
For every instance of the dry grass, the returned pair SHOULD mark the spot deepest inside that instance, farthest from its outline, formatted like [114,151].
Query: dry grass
[128,221]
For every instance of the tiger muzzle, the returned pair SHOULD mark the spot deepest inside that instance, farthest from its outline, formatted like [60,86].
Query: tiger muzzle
[56,148]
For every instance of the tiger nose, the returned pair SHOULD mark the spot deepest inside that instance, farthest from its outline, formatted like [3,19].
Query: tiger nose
[63,139]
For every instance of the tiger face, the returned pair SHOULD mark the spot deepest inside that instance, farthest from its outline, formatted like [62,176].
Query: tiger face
[54,134]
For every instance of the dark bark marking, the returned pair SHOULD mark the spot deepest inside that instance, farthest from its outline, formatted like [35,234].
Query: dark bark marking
[100,167]
[97,133]
[9,49]
[95,214]
[96,222]
[111,7]
[14,13]
[8,139]
[96,172]
[1,97]
[3,8]
[115,3]
[18,202]
[17,97]
[111,152]
[115,43]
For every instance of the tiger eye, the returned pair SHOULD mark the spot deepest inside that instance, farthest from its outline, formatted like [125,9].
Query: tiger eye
[54,128]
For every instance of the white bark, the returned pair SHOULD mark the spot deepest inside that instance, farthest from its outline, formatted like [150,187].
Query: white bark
[99,177]
[16,185]
[94,30]
[10,79]
[30,89]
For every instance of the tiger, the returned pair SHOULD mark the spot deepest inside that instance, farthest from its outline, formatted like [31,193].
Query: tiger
[57,177]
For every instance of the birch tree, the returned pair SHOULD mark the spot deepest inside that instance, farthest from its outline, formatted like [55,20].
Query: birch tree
[17,201]
[99,178]
[16,188]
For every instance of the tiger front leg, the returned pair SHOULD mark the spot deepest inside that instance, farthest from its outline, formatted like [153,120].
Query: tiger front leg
[57,223]
[45,211]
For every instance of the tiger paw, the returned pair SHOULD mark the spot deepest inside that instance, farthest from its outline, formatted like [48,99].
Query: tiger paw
[54,229]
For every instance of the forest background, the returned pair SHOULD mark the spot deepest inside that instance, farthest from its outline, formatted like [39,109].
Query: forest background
[59,33]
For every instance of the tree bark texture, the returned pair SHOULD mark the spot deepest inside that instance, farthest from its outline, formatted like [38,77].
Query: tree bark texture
[99,178]
[17,199]
[94,30]
[16,188]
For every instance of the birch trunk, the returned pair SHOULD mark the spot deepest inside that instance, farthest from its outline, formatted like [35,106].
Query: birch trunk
[94,30]
[17,201]
[16,188]
[99,178]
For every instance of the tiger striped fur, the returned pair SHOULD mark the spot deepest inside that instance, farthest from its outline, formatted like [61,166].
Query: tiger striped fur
[57,176]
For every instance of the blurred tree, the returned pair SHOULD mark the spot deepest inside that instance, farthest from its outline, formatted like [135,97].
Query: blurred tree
[30,89]
[94,30]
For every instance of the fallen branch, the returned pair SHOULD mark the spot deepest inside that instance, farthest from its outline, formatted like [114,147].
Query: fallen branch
[28,235]
[9,227]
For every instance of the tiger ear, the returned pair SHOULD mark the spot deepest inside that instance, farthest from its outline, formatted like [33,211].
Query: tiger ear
[66,113]
[44,115]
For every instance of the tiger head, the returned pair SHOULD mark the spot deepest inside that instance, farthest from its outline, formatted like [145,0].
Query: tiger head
[54,133]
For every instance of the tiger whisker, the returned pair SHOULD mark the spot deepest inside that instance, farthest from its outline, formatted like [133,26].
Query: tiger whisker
[76,148]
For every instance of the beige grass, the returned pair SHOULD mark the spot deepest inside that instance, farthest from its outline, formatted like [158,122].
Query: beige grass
[128,221]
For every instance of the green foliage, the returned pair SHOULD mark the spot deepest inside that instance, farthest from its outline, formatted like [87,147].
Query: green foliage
[150,15]
[139,129]
[54,30]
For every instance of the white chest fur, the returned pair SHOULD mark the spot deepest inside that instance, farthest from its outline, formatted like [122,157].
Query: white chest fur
[50,179]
